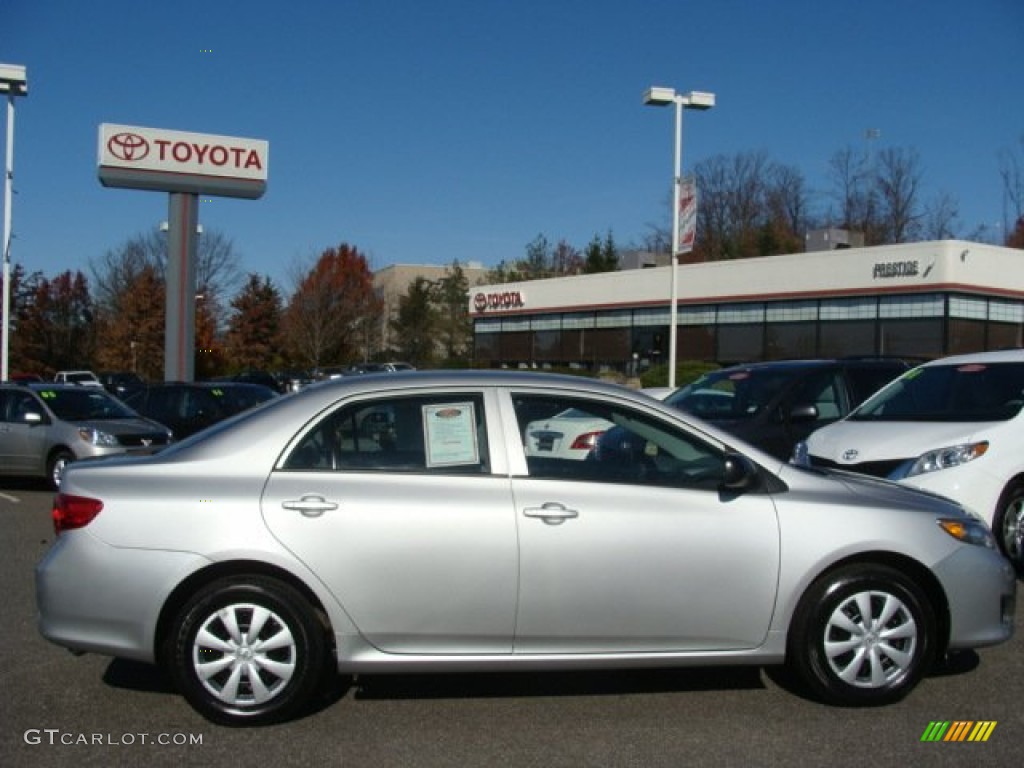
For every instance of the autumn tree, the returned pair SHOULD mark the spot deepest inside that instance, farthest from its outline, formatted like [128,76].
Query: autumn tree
[130,323]
[55,324]
[330,313]
[253,334]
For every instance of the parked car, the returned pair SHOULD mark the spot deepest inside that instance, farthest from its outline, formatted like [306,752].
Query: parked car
[43,427]
[121,383]
[82,378]
[188,407]
[569,434]
[392,367]
[775,404]
[952,426]
[253,556]
[254,377]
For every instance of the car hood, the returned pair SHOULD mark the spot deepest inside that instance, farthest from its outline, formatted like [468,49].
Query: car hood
[856,442]
[121,426]
[877,492]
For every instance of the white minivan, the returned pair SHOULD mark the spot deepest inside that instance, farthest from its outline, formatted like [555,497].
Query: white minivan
[952,426]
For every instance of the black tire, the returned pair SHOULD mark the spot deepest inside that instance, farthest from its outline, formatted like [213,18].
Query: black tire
[55,466]
[1008,524]
[244,683]
[847,658]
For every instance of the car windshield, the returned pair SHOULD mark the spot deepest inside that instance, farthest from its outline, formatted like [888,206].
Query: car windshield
[732,394]
[965,392]
[84,405]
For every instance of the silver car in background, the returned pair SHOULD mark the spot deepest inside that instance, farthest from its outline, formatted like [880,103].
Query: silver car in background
[43,427]
[253,559]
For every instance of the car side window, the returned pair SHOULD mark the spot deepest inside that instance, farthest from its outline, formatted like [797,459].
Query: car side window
[435,434]
[577,439]
[820,389]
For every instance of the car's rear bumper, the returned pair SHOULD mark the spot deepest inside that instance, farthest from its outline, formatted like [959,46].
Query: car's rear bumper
[103,599]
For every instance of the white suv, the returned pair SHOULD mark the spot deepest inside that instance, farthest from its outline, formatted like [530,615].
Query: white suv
[952,426]
[82,378]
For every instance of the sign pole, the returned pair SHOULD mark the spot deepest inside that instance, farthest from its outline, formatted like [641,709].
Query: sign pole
[180,316]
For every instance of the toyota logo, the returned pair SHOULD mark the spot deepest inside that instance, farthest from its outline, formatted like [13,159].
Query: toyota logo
[128,146]
[851,454]
[480,302]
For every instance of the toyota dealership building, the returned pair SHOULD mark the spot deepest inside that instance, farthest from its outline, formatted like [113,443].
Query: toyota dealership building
[921,300]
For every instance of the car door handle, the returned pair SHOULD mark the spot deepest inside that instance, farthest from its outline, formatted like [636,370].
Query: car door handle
[310,506]
[551,513]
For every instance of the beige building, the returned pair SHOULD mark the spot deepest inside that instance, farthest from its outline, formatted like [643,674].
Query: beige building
[392,283]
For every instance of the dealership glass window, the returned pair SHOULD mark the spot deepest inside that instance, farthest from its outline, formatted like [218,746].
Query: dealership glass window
[702,314]
[620,318]
[969,307]
[517,347]
[846,338]
[912,338]
[547,345]
[492,325]
[610,345]
[651,316]
[1005,335]
[1006,311]
[578,320]
[740,342]
[486,346]
[787,340]
[791,311]
[694,342]
[965,335]
[859,308]
[741,313]
[572,347]
[925,305]
[546,322]
[515,324]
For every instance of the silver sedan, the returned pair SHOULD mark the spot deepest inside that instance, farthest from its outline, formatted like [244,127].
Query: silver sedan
[253,558]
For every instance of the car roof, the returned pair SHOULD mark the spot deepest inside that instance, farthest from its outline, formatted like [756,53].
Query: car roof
[815,363]
[994,356]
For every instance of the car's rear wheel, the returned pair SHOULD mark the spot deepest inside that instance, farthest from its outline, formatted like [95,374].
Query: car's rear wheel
[247,651]
[1008,524]
[55,467]
[863,635]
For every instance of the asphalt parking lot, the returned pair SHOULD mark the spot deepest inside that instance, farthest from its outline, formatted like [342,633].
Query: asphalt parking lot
[58,709]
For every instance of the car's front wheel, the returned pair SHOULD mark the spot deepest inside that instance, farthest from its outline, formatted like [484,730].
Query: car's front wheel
[863,635]
[1008,524]
[246,651]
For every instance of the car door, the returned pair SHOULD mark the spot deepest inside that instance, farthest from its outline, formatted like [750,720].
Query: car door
[23,443]
[397,503]
[636,549]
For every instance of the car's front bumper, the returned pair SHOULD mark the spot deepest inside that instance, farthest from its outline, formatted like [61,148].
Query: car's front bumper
[981,589]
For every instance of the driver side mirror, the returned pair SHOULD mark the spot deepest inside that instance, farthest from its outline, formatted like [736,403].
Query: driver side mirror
[740,473]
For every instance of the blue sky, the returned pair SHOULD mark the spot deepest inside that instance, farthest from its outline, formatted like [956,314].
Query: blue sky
[425,131]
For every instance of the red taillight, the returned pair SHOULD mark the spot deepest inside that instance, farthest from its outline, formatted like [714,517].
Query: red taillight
[586,441]
[71,512]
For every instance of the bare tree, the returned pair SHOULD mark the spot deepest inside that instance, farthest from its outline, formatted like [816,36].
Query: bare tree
[1011,170]
[898,182]
[941,217]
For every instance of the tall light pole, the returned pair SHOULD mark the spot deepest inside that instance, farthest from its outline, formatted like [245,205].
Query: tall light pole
[657,96]
[14,83]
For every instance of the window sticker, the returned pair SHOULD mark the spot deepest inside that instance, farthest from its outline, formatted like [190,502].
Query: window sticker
[450,430]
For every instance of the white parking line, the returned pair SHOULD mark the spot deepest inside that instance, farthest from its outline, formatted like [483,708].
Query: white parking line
[12,499]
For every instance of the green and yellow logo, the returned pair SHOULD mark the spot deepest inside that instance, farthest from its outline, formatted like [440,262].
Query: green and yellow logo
[958,730]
